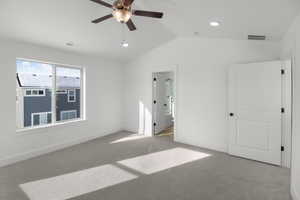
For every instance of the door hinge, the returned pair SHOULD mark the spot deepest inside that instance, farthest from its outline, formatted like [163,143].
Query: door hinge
[154,79]
[282,71]
[282,148]
[282,110]
[154,124]
[154,101]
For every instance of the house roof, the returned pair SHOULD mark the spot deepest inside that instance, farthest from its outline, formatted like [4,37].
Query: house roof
[36,80]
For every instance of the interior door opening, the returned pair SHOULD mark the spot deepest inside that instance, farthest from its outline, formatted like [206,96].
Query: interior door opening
[163,103]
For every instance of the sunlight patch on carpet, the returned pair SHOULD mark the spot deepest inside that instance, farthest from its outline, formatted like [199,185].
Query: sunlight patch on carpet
[77,183]
[130,138]
[155,162]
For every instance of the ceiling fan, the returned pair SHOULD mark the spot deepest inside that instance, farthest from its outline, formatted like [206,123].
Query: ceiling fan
[122,12]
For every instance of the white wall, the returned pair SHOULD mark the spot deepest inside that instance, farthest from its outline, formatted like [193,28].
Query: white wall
[103,93]
[201,85]
[291,48]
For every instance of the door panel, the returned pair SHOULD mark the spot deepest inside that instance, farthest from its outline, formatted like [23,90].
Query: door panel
[255,100]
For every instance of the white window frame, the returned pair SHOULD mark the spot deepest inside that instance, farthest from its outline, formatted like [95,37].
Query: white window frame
[71,101]
[34,95]
[40,113]
[82,94]
[67,111]
[61,91]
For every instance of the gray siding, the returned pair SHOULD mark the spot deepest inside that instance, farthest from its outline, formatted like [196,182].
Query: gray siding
[41,104]
[63,104]
[36,105]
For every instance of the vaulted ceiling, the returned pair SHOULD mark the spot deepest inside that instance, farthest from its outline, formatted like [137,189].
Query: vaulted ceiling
[56,22]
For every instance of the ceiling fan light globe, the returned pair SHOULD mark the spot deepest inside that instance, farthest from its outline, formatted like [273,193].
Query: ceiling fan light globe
[122,15]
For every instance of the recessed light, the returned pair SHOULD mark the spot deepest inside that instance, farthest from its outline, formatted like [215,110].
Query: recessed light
[214,24]
[125,44]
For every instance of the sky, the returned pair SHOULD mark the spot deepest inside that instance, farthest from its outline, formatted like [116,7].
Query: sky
[30,67]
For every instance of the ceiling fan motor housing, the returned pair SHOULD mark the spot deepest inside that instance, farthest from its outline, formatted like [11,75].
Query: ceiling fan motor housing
[121,12]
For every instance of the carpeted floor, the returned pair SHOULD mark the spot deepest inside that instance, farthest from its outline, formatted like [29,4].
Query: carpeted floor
[130,167]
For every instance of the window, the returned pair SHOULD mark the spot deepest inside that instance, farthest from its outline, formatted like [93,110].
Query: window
[34,92]
[68,114]
[61,91]
[38,119]
[36,102]
[71,95]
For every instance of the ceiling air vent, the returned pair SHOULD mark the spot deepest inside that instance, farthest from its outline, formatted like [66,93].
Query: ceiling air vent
[256,37]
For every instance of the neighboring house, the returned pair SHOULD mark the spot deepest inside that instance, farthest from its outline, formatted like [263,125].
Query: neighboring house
[34,98]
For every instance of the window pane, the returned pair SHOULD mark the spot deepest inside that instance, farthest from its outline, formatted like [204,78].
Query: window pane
[68,103]
[34,92]
[72,115]
[28,92]
[49,118]
[68,115]
[36,120]
[71,92]
[38,77]
[43,119]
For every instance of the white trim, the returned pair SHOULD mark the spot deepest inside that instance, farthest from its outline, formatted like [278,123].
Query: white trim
[53,98]
[68,111]
[40,113]
[173,69]
[71,101]
[28,130]
[294,194]
[286,119]
[53,95]
[64,91]
[45,150]
[34,95]
[50,63]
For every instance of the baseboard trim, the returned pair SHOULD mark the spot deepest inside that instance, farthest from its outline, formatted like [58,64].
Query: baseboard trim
[295,195]
[209,147]
[49,149]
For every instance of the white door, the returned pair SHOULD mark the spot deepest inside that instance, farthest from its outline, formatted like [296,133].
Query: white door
[158,103]
[255,111]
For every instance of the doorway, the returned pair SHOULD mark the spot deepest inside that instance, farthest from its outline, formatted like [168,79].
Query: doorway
[163,96]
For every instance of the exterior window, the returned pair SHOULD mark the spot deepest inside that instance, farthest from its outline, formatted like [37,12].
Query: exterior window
[61,91]
[36,105]
[68,104]
[71,95]
[41,118]
[68,114]
[34,92]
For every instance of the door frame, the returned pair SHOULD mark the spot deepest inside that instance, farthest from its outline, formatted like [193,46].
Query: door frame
[173,69]
[286,117]
[286,120]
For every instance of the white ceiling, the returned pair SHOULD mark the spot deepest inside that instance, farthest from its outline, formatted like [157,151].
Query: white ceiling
[56,22]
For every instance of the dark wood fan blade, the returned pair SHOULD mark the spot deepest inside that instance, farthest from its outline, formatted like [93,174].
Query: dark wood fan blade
[96,21]
[103,3]
[148,13]
[131,25]
[127,2]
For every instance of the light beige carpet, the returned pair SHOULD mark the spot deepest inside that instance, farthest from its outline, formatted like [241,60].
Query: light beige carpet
[127,167]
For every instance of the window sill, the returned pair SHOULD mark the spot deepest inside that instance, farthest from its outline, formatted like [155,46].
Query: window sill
[25,131]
